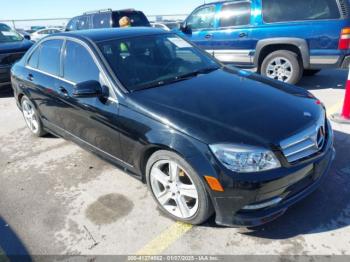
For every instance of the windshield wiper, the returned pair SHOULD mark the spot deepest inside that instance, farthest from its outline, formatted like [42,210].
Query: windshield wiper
[202,71]
[177,78]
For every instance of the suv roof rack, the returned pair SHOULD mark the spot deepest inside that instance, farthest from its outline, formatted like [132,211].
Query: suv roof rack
[126,10]
[98,11]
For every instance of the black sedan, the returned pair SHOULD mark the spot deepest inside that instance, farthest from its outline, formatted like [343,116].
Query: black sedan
[205,138]
[12,48]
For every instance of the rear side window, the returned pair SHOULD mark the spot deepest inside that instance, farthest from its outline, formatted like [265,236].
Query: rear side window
[235,14]
[102,20]
[34,58]
[203,18]
[83,22]
[299,10]
[49,58]
[136,18]
[78,65]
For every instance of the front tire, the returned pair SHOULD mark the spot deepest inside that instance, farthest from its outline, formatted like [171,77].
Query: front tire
[176,187]
[282,65]
[32,117]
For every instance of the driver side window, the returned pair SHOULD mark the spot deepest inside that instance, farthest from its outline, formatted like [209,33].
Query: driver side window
[203,18]
[78,65]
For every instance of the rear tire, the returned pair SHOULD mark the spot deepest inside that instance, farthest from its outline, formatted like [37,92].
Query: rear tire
[282,65]
[311,72]
[161,182]
[32,117]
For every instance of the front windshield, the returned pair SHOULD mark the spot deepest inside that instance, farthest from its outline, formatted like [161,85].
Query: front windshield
[9,35]
[150,61]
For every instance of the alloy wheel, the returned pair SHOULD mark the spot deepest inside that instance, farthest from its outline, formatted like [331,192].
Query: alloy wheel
[30,116]
[280,68]
[174,189]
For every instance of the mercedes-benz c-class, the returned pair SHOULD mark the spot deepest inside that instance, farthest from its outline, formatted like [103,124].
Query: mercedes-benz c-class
[207,139]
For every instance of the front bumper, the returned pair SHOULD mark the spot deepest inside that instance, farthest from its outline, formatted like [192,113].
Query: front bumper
[5,76]
[291,188]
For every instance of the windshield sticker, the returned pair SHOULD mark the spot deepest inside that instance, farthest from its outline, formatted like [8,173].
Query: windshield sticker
[8,33]
[180,43]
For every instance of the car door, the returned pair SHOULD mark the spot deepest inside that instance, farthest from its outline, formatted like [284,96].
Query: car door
[232,42]
[201,24]
[43,70]
[92,121]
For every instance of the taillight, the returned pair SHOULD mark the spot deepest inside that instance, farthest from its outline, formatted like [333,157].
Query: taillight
[344,42]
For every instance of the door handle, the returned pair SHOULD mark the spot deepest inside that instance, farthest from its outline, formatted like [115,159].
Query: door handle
[63,91]
[243,35]
[208,36]
[30,77]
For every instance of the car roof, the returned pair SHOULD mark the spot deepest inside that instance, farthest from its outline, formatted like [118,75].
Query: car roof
[97,35]
[223,2]
[4,24]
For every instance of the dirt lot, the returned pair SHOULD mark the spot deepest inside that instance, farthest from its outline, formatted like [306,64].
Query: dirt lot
[56,198]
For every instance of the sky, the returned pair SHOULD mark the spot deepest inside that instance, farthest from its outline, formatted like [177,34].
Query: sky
[26,9]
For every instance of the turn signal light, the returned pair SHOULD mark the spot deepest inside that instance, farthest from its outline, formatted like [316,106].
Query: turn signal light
[344,41]
[214,184]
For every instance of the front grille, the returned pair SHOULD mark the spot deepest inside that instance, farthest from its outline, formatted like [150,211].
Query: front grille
[10,58]
[307,143]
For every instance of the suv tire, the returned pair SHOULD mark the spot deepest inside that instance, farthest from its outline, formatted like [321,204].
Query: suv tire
[201,210]
[282,65]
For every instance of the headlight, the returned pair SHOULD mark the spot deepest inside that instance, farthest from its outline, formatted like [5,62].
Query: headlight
[245,159]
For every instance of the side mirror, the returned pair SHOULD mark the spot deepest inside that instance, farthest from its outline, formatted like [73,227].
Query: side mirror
[186,29]
[27,37]
[90,88]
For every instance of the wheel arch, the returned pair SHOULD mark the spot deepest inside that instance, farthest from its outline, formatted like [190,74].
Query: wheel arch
[296,45]
[193,155]
[19,98]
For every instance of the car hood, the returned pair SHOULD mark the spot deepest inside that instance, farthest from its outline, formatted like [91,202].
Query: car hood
[14,47]
[230,106]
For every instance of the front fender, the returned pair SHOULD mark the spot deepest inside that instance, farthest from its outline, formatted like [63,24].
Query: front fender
[141,133]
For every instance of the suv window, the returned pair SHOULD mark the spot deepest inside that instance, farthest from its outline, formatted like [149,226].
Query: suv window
[72,25]
[49,58]
[283,10]
[101,20]
[137,18]
[83,23]
[202,18]
[75,55]
[34,58]
[235,14]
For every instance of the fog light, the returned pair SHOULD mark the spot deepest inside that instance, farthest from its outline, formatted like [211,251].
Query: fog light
[264,204]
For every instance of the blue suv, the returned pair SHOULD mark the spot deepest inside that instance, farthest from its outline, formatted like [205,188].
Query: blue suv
[283,39]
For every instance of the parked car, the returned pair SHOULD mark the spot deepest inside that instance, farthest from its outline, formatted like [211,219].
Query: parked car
[256,147]
[23,33]
[106,19]
[282,38]
[12,48]
[167,26]
[37,27]
[37,35]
